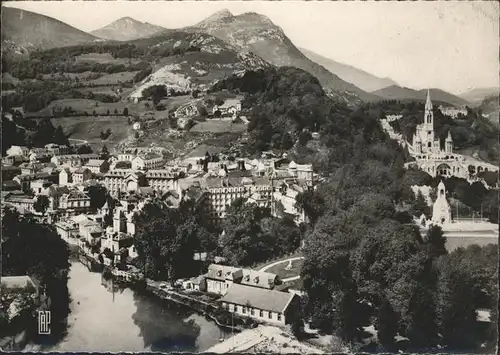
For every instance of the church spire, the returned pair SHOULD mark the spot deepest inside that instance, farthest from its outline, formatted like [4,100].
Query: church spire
[428,103]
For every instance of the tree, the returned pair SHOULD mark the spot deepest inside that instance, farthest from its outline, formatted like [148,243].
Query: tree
[104,152]
[41,204]
[286,141]
[420,206]
[312,203]
[84,149]
[436,241]
[387,325]
[98,196]
[59,137]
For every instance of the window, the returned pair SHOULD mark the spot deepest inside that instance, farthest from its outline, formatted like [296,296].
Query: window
[261,313]
[270,315]
[252,312]
[244,310]
[279,316]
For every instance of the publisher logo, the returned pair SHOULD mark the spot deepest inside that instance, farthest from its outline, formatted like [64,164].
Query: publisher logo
[43,322]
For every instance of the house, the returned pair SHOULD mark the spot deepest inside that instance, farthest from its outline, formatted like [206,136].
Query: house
[97,166]
[39,155]
[146,161]
[73,160]
[25,180]
[228,108]
[38,186]
[54,194]
[80,175]
[261,304]
[21,151]
[220,277]
[195,284]
[74,202]
[23,203]
[54,149]
[259,279]
[66,230]
[91,231]
[65,177]
[29,168]
[12,160]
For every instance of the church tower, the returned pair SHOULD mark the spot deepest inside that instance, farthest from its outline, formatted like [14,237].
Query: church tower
[448,146]
[441,211]
[429,114]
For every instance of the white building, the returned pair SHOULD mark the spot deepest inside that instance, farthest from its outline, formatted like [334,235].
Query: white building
[147,161]
[441,211]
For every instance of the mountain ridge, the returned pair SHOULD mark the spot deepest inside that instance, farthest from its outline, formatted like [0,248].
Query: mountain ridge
[362,79]
[396,92]
[257,33]
[30,30]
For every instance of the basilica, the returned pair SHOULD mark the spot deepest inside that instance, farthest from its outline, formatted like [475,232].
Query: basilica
[430,156]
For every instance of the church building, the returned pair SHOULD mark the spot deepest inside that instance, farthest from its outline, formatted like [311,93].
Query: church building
[424,140]
[441,211]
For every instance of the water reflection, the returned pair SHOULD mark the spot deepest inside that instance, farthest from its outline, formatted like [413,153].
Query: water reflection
[107,317]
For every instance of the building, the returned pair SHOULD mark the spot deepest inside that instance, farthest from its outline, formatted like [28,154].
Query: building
[66,230]
[65,177]
[91,231]
[123,180]
[23,203]
[286,194]
[146,161]
[223,191]
[261,304]
[431,158]
[74,202]
[12,160]
[441,211]
[38,186]
[54,149]
[81,174]
[220,277]
[424,140]
[25,180]
[453,112]
[97,166]
[163,180]
[21,151]
[73,160]
[228,108]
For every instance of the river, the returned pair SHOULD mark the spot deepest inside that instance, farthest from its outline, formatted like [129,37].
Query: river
[105,321]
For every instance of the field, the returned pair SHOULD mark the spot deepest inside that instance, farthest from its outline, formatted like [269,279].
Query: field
[89,129]
[114,79]
[216,126]
[104,58]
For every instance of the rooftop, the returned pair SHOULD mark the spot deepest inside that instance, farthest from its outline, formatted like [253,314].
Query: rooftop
[268,300]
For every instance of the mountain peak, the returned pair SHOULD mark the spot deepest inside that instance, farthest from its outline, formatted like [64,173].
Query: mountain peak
[254,16]
[216,18]
[126,29]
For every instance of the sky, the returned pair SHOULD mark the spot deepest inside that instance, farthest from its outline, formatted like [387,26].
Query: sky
[452,45]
